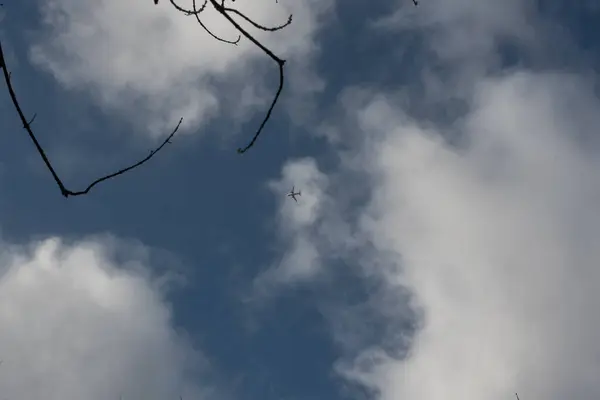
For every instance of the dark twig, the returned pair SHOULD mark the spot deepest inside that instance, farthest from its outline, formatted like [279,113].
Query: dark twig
[27,126]
[32,119]
[189,12]
[137,164]
[196,14]
[224,11]
[268,115]
[256,25]
[227,12]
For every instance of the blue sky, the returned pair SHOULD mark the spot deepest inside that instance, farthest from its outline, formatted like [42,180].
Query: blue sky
[444,246]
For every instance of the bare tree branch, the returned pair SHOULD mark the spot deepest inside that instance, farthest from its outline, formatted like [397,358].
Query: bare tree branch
[222,9]
[225,12]
[27,126]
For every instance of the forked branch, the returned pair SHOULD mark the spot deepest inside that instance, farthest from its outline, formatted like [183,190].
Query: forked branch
[227,12]
[27,126]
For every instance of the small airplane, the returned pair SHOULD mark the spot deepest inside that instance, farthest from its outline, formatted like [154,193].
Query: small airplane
[293,195]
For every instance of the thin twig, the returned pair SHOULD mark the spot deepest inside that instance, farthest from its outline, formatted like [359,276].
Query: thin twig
[268,115]
[189,12]
[196,14]
[27,126]
[137,164]
[256,25]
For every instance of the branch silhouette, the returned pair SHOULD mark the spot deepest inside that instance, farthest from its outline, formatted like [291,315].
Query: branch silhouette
[227,13]
[221,8]
[27,126]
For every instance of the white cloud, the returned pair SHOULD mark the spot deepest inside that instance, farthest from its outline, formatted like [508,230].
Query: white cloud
[496,240]
[495,235]
[78,323]
[155,64]
[295,222]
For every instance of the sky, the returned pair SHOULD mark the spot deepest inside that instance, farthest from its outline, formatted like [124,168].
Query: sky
[445,245]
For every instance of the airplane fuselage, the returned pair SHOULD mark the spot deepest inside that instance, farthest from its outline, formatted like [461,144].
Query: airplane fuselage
[293,195]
